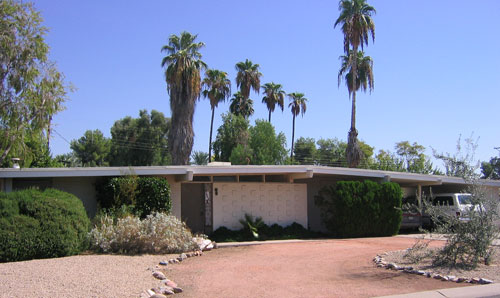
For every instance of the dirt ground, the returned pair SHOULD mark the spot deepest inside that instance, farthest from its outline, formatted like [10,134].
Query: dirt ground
[329,268]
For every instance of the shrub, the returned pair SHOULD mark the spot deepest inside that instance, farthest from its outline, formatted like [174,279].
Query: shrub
[273,232]
[157,233]
[36,224]
[153,195]
[143,195]
[361,209]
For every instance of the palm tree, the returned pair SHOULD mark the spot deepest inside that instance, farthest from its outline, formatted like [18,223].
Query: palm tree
[248,77]
[298,106]
[274,96]
[241,106]
[357,25]
[183,65]
[217,87]
[364,78]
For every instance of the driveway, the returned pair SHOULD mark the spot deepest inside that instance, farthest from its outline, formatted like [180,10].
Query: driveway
[326,268]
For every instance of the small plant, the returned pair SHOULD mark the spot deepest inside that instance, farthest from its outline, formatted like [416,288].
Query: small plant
[158,233]
[252,225]
[419,251]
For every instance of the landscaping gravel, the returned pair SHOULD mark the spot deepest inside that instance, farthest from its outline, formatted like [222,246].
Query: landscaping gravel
[79,276]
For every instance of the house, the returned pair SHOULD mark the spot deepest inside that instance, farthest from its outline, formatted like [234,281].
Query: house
[208,197]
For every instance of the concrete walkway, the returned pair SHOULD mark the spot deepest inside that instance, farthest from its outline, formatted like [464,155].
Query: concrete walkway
[483,291]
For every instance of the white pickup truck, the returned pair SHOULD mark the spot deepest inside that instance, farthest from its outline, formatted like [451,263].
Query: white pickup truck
[453,204]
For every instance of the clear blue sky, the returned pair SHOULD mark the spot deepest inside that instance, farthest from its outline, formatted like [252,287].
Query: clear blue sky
[436,65]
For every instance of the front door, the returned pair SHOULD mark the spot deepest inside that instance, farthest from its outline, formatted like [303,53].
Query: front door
[193,206]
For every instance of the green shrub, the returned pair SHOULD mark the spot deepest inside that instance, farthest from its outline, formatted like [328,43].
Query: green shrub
[157,233]
[141,195]
[153,194]
[361,209]
[36,224]
[273,232]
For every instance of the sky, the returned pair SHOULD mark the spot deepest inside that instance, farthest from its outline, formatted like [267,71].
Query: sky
[436,66]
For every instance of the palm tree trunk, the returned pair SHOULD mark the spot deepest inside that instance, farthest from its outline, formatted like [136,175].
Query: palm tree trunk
[353,152]
[269,116]
[293,136]
[210,141]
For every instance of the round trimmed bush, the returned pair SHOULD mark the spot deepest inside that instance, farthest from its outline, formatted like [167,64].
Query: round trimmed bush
[41,224]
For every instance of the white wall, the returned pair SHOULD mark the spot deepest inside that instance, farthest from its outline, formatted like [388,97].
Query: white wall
[281,203]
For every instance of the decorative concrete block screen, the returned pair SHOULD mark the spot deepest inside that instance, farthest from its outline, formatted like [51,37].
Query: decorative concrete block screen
[281,203]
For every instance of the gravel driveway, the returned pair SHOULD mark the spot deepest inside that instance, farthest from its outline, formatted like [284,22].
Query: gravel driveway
[329,268]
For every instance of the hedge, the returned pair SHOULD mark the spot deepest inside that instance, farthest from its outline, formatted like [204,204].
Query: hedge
[144,195]
[41,224]
[361,209]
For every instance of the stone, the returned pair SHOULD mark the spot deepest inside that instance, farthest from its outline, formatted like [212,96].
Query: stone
[177,290]
[204,244]
[158,296]
[183,256]
[164,263]
[170,283]
[409,268]
[150,292]
[391,265]
[437,276]
[209,247]
[159,275]
[144,295]
[445,278]
[461,279]
[380,265]
[420,272]
[485,281]
[428,274]
[166,291]
[475,280]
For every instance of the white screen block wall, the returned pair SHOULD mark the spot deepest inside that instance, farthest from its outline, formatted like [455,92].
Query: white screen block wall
[281,203]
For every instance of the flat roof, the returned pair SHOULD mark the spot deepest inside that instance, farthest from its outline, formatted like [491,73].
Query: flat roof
[305,170]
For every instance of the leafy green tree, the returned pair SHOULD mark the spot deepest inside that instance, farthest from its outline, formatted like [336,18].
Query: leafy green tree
[248,77]
[200,158]
[140,141]
[298,105]
[242,154]
[274,95]
[267,147]
[305,151]
[331,152]
[233,131]
[241,106]
[357,25]
[491,169]
[183,65]
[217,87]
[388,161]
[31,88]
[92,148]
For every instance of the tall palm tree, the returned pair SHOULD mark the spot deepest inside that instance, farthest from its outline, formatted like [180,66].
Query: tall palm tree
[298,106]
[248,77]
[183,65]
[364,76]
[217,87]
[241,106]
[357,25]
[274,95]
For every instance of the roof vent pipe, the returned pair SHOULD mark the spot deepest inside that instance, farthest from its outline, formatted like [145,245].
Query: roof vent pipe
[16,160]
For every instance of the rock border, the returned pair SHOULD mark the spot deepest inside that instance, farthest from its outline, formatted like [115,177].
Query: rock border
[381,263]
[167,286]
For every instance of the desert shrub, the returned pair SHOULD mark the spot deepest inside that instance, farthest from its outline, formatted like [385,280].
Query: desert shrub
[141,195]
[361,209]
[157,233]
[41,224]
